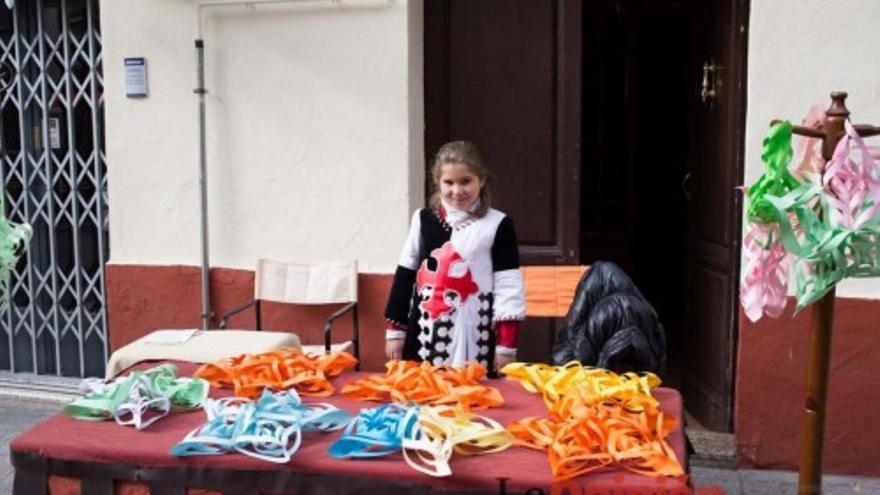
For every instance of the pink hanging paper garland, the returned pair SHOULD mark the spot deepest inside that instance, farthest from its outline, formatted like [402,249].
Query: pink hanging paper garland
[852,187]
[765,285]
[809,158]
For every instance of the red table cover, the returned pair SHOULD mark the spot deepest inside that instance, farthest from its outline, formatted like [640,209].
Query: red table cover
[101,451]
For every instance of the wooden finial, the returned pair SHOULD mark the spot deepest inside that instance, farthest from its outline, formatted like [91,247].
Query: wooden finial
[835,116]
[838,104]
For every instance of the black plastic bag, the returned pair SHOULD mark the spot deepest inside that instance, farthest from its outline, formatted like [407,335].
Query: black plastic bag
[610,325]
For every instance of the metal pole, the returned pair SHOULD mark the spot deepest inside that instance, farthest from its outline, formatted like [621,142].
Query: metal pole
[203,187]
[207,314]
[253,4]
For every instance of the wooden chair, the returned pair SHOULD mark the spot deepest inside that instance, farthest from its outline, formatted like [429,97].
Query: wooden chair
[549,291]
[310,284]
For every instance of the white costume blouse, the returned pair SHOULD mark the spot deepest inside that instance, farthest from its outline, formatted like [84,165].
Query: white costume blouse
[457,275]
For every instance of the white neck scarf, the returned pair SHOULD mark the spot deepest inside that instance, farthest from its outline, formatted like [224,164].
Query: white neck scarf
[456,217]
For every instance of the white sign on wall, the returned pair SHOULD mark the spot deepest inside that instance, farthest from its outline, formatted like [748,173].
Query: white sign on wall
[136,77]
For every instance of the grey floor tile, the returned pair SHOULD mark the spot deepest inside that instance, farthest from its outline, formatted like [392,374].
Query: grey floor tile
[18,416]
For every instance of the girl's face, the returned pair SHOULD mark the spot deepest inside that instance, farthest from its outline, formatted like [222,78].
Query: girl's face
[458,185]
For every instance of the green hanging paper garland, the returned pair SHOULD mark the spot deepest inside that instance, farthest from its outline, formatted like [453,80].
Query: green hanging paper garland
[776,180]
[14,239]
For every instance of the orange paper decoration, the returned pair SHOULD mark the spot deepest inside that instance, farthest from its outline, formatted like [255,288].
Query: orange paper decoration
[597,418]
[249,374]
[406,382]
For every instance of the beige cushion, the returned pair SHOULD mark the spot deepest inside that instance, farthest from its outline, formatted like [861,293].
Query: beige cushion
[202,347]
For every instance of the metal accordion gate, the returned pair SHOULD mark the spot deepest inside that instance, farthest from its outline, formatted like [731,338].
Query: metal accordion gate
[53,320]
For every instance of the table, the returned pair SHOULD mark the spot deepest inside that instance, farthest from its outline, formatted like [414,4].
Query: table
[64,456]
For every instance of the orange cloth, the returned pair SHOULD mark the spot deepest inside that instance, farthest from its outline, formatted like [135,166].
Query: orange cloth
[407,381]
[550,289]
[249,374]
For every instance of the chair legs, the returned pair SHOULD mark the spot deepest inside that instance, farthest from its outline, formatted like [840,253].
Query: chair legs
[355,337]
[328,328]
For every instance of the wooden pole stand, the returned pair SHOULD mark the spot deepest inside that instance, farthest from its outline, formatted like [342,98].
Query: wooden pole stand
[818,362]
[813,422]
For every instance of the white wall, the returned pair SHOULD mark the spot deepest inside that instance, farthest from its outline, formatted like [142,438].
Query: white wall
[315,131]
[800,51]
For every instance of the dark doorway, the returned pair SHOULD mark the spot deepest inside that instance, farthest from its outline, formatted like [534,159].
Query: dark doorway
[635,132]
[591,115]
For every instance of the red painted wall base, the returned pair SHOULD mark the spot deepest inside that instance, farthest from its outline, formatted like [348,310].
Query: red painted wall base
[143,298]
[770,393]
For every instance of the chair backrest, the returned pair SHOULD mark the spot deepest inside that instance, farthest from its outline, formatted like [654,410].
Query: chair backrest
[550,289]
[306,283]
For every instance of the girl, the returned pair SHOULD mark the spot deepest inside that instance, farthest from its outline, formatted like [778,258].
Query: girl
[457,294]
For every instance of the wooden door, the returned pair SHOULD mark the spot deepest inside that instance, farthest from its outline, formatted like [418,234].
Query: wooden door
[506,75]
[713,231]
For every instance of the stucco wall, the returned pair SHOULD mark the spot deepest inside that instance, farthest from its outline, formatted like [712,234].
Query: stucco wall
[315,131]
[800,51]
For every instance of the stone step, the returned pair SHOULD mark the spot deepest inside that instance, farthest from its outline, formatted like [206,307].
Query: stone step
[711,449]
[42,388]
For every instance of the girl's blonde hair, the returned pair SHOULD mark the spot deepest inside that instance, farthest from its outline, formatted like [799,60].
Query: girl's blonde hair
[467,153]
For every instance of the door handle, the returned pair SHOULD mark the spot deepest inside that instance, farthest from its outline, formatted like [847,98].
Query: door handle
[709,90]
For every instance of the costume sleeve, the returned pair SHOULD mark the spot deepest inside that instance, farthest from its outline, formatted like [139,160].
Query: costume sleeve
[409,255]
[509,303]
[508,333]
[397,309]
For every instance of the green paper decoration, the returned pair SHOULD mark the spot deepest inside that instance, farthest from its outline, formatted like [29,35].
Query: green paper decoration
[776,180]
[14,239]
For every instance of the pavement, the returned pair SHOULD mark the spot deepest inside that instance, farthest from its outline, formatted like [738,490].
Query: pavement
[719,481]
[18,415]
[26,400]
[714,471]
